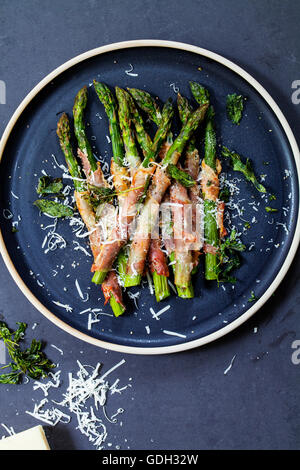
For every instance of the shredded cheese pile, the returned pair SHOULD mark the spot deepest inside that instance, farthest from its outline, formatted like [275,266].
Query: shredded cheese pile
[87,392]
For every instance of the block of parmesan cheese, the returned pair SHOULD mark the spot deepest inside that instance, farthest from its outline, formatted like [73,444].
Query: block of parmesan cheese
[32,439]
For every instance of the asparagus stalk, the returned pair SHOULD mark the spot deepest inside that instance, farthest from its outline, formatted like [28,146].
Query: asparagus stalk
[119,236]
[210,187]
[168,240]
[79,126]
[92,167]
[183,292]
[182,272]
[107,99]
[184,136]
[117,165]
[142,137]
[126,109]
[185,109]
[157,259]
[161,133]
[64,135]
[116,306]
[183,252]
[161,286]
[122,263]
[82,201]
[131,151]
[160,183]
[210,207]
[147,103]
[159,269]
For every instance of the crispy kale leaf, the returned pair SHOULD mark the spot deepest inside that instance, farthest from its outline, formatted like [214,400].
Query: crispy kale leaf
[181,176]
[235,106]
[245,168]
[47,185]
[100,195]
[55,209]
[228,256]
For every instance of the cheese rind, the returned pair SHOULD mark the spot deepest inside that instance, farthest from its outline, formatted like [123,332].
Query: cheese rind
[32,439]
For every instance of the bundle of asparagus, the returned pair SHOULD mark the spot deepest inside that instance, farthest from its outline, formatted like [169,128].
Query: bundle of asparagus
[122,219]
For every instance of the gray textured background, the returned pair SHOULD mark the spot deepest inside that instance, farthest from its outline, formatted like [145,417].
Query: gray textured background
[179,401]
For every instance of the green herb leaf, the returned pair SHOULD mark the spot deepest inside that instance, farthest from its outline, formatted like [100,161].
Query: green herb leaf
[252,297]
[224,195]
[235,106]
[181,176]
[228,255]
[55,209]
[47,185]
[245,168]
[271,209]
[30,361]
[99,195]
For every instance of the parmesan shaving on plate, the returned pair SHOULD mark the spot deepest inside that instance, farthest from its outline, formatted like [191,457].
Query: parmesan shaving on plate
[156,315]
[62,167]
[173,333]
[92,320]
[84,299]
[174,88]
[150,283]
[7,214]
[13,195]
[65,306]
[134,297]
[129,72]
[172,286]
[52,240]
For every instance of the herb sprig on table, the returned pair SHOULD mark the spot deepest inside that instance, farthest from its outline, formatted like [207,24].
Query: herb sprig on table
[31,361]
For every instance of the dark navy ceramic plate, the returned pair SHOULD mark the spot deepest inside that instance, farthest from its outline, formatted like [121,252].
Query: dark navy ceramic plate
[61,278]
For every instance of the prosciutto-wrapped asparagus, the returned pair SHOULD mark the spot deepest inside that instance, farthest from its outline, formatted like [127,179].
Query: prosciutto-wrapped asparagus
[210,187]
[119,236]
[113,290]
[157,260]
[160,182]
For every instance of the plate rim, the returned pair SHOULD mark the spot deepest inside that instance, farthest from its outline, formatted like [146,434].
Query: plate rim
[182,346]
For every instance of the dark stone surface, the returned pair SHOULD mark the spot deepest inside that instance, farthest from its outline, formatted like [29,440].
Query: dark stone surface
[181,401]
